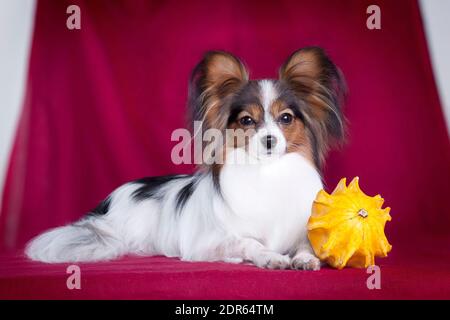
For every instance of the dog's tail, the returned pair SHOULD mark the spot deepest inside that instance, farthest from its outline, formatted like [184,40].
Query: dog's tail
[95,237]
[90,239]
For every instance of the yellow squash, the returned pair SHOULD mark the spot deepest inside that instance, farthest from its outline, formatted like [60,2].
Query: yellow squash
[346,227]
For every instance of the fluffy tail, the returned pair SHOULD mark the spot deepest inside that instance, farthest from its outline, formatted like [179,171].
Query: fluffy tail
[90,239]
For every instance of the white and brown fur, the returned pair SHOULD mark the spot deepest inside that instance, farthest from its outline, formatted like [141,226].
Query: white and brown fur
[254,211]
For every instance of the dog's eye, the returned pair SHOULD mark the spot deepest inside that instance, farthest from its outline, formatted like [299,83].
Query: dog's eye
[246,121]
[285,118]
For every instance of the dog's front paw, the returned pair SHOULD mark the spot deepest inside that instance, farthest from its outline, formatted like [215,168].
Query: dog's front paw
[305,261]
[272,260]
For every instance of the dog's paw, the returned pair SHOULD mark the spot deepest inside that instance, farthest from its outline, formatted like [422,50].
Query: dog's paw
[305,261]
[233,260]
[272,260]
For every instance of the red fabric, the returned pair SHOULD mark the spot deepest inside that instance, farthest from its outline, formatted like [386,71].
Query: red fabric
[423,274]
[102,102]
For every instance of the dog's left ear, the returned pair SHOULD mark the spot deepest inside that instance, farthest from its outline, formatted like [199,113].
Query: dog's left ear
[320,87]
[214,80]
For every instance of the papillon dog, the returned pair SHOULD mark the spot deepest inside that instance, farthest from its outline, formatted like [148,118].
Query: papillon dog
[254,210]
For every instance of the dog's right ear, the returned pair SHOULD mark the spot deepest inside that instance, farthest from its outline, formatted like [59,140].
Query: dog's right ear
[319,84]
[214,80]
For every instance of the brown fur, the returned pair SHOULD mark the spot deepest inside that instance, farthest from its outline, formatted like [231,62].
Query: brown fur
[218,76]
[295,132]
[319,83]
[312,90]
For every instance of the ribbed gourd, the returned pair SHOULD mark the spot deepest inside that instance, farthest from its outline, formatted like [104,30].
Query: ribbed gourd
[346,227]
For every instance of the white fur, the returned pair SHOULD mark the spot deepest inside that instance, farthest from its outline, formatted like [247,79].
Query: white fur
[269,220]
[256,147]
[268,94]
[259,215]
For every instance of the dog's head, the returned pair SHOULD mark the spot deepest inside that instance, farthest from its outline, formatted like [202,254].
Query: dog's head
[299,112]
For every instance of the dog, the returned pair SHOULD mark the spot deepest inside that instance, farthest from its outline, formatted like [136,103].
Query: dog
[254,210]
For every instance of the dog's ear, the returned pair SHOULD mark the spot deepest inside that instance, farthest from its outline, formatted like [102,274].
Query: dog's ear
[320,87]
[214,80]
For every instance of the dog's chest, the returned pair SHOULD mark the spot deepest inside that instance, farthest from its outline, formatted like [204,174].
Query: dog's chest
[271,201]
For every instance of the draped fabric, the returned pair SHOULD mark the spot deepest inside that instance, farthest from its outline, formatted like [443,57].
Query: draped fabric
[101,104]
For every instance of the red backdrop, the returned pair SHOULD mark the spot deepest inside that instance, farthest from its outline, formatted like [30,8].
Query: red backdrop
[102,101]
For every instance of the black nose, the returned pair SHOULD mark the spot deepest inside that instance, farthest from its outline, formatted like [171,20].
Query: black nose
[269,141]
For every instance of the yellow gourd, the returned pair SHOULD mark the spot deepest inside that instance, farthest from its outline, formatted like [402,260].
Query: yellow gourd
[346,227]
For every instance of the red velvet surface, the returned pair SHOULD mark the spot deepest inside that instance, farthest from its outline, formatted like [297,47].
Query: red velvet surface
[419,272]
[102,102]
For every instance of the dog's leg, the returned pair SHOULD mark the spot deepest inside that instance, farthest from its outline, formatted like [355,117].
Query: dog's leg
[248,249]
[304,258]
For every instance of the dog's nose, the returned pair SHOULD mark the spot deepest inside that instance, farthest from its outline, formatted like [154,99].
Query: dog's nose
[269,141]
